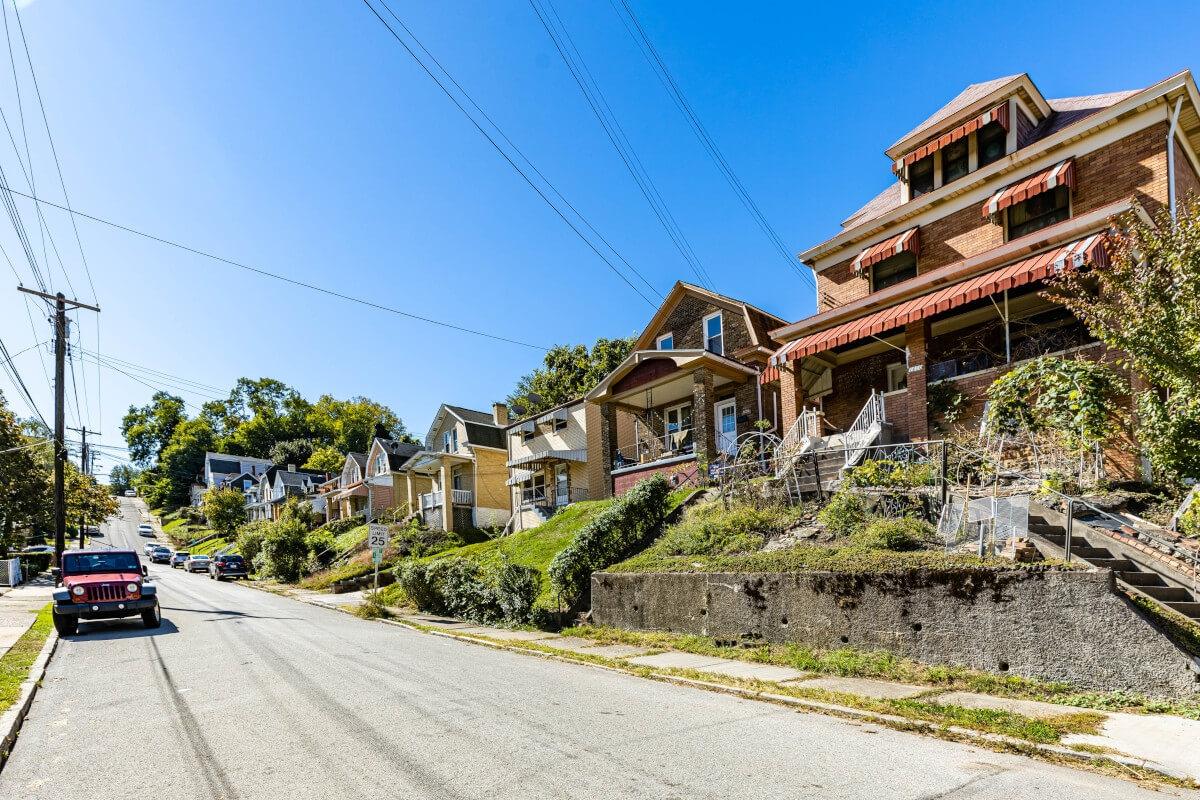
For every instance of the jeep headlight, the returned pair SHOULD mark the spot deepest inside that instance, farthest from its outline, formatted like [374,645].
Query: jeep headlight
[77,591]
[132,588]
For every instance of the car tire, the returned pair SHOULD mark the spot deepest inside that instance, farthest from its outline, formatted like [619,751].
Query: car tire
[65,625]
[152,617]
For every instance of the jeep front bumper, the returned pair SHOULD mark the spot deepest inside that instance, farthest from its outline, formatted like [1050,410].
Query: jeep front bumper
[106,610]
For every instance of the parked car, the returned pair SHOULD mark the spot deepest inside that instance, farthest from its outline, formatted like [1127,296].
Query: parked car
[227,566]
[160,555]
[38,548]
[150,547]
[130,493]
[145,530]
[179,558]
[102,584]
[197,563]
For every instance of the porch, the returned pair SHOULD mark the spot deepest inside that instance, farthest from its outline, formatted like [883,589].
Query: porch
[673,411]
[443,473]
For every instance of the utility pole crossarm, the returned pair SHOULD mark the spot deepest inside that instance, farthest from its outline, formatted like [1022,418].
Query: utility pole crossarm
[56,297]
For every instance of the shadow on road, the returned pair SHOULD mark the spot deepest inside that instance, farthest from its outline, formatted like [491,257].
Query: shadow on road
[131,628]
[225,614]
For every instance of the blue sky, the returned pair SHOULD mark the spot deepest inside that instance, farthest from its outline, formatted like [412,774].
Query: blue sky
[300,138]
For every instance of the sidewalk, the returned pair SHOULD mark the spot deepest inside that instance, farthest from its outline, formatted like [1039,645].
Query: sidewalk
[1160,742]
[19,607]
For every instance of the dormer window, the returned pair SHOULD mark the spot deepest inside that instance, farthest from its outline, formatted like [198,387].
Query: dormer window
[665,342]
[1036,202]
[891,271]
[920,177]
[955,161]
[993,140]
[450,441]
[381,464]
[714,334]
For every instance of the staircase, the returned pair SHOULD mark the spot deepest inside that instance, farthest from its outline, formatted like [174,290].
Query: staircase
[1156,581]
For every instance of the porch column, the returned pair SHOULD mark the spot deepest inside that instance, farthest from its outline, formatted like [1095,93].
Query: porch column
[916,421]
[704,432]
[606,446]
[790,397]
[408,492]
[447,498]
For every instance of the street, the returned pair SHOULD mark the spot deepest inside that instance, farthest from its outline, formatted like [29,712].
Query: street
[244,694]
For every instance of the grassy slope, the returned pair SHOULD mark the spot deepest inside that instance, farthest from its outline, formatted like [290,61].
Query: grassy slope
[14,666]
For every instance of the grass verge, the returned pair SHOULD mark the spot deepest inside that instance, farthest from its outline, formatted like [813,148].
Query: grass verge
[15,664]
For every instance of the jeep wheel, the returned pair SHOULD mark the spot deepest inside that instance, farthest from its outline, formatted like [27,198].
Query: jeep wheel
[152,617]
[64,624]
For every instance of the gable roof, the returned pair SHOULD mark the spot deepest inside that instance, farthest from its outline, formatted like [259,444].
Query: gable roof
[964,100]
[397,452]
[752,315]
[477,425]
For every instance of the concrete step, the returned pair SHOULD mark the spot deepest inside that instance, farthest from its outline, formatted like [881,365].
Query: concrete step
[1115,564]
[1142,579]
[1090,553]
[1187,609]
[1167,594]
[1042,528]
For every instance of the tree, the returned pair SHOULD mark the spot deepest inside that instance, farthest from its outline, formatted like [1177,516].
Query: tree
[292,451]
[225,510]
[24,480]
[567,372]
[350,425]
[169,482]
[325,459]
[88,503]
[1145,305]
[120,478]
[148,429]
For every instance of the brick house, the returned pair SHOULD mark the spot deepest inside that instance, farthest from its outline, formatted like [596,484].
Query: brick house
[938,279]
[547,462]
[684,395]
[386,478]
[463,462]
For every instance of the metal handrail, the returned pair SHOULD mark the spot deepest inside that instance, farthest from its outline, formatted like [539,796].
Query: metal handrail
[872,414]
[677,442]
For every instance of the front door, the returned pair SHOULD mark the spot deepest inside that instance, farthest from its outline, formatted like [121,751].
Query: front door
[562,494]
[725,413]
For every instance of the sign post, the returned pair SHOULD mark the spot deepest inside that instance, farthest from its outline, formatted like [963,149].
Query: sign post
[377,539]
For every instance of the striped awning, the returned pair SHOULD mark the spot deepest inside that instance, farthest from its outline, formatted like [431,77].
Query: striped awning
[528,426]
[909,240]
[996,114]
[1061,174]
[549,455]
[1090,250]
[519,476]
[558,414]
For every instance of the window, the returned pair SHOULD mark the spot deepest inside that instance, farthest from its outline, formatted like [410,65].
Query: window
[527,436]
[450,441]
[561,424]
[1039,211]
[891,271]
[920,177]
[714,335]
[897,376]
[954,161]
[665,342]
[381,464]
[992,140]
[679,418]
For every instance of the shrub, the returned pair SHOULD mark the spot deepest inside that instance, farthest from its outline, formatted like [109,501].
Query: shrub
[615,534]
[465,590]
[712,529]
[417,583]
[905,533]
[284,550]
[1189,521]
[250,538]
[844,515]
[419,542]
[320,544]
[517,587]
[35,563]
[344,525]
[886,473]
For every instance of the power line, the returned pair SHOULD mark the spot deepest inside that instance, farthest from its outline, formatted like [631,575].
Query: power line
[268,274]
[499,149]
[177,378]
[595,98]
[158,385]
[659,67]
[19,382]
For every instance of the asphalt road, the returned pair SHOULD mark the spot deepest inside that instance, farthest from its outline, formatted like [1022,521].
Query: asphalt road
[243,694]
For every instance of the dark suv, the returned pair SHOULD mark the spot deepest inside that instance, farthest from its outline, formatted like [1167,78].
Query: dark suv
[227,566]
[102,584]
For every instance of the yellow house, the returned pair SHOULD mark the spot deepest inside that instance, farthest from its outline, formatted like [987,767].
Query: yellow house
[547,462]
[464,463]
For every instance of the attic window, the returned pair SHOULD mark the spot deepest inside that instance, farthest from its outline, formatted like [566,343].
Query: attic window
[665,342]
[1039,211]
[992,143]
[920,177]
[955,161]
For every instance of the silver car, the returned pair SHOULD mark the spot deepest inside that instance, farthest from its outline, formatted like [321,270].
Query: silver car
[198,563]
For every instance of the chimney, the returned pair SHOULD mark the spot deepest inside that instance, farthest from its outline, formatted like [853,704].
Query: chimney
[291,467]
[500,414]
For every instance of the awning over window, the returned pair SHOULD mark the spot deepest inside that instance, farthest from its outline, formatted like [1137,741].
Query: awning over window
[1072,256]
[549,455]
[558,414]
[519,476]
[997,114]
[909,241]
[1061,174]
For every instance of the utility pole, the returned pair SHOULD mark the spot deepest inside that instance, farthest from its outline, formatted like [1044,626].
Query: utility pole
[85,468]
[60,419]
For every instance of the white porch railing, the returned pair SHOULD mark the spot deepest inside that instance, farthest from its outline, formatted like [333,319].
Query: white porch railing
[461,497]
[431,500]
[865,428]
[798,439]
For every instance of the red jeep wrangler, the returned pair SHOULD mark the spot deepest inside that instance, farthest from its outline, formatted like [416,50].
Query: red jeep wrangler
[102,584]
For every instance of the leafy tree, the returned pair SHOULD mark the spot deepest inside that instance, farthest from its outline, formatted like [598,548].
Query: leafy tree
[225,510]
[567,372]
[88,503]
[1146,306]
[120,478]
[350,425]
[168,483]
[24,479]
[292,451]
[325,459]
[148,429]
[1076,400]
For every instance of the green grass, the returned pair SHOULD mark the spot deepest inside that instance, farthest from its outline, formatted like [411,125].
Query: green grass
[15,664]
[350,540]
[210,547]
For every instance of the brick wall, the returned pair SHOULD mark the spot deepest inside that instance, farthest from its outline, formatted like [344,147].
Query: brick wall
[1133,166]
[1187,183]
[682,473]
[686,320]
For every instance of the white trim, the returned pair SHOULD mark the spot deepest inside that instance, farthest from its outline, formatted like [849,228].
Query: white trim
[704,331]
[717,409]
[658,342]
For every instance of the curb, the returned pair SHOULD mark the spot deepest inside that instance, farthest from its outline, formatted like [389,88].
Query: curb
[11,721]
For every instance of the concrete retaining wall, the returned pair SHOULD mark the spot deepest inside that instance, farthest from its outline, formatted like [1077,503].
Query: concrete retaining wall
[1066,626]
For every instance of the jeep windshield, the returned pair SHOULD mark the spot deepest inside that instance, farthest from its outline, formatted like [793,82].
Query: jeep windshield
[84,563]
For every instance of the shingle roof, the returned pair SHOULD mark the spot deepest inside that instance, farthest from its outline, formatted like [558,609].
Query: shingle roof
[359,458]
[487,435]
[969,95]
[470,415]
[397,452]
